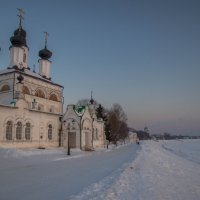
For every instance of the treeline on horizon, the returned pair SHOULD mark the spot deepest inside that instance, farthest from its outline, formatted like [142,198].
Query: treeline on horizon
[168,136]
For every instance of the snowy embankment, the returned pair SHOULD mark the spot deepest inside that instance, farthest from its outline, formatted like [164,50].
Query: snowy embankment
[165,170]
[50,174]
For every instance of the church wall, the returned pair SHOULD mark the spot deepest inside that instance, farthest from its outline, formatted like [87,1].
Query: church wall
[39,127]
[6,96]
[44,104]
[68,116]
[86,130]
[42,121]
[98,134]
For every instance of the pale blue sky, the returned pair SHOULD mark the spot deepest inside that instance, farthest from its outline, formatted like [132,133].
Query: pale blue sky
[144,55]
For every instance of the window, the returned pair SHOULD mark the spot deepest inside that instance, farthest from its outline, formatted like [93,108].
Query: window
[53,97]
[9,130]
[19,131]
[24,58]
[50,132]
[51,109]
[5,88]
[28,131]
[40,93]
[40,107]
[25,90]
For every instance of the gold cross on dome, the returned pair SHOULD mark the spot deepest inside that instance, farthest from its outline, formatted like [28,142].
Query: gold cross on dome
[46,37]
[20,15]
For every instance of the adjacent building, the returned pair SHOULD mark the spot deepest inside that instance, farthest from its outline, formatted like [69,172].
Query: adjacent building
[81,128]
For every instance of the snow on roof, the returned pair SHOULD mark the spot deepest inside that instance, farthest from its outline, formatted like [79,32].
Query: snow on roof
[28,72]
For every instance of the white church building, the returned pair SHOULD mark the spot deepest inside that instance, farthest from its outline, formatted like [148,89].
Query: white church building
[82,128]
[31,105]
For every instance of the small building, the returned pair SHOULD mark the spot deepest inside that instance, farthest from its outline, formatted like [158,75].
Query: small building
[81,128]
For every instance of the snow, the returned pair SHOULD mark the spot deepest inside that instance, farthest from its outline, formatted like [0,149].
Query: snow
[156,173]
[153,170]
[188,149]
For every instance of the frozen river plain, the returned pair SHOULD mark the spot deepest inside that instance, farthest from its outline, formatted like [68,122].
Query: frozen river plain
[152,170]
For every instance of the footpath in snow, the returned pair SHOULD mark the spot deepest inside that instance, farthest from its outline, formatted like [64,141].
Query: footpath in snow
[165,170]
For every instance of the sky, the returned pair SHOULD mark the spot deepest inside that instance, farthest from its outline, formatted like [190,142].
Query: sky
[144,55]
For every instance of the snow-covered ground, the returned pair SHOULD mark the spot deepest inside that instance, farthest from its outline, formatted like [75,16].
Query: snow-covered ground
[151,171]
[165,170]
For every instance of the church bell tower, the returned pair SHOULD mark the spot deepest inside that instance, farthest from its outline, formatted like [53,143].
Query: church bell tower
[44,62]
[19,49]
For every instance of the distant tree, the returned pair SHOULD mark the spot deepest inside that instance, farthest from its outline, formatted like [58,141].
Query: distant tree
[123,131]
[142,135]
[118,110]
[167,136]
[83,102]
[107,131]
[100,112]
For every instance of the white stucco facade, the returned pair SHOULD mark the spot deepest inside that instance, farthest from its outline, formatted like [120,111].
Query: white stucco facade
[35,101]
[82,129]
[31,105]
[19,56]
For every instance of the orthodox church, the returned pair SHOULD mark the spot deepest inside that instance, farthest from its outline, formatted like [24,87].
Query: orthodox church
[31,105]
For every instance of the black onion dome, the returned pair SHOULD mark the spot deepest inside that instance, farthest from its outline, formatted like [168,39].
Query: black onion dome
[22,32]
[19,38]
[45,54]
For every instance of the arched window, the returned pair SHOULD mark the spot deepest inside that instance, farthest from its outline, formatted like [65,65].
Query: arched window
[9,130]
[40,93]
[53,97]
[19,131]
[25,90]
[28,131]
[5,88]
[50,132]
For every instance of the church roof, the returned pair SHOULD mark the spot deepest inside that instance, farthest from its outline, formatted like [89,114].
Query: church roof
[28,73]
[45,53]
[79,110]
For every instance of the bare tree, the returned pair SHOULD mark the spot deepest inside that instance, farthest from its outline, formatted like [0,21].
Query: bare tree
[83,102]
[117,121]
